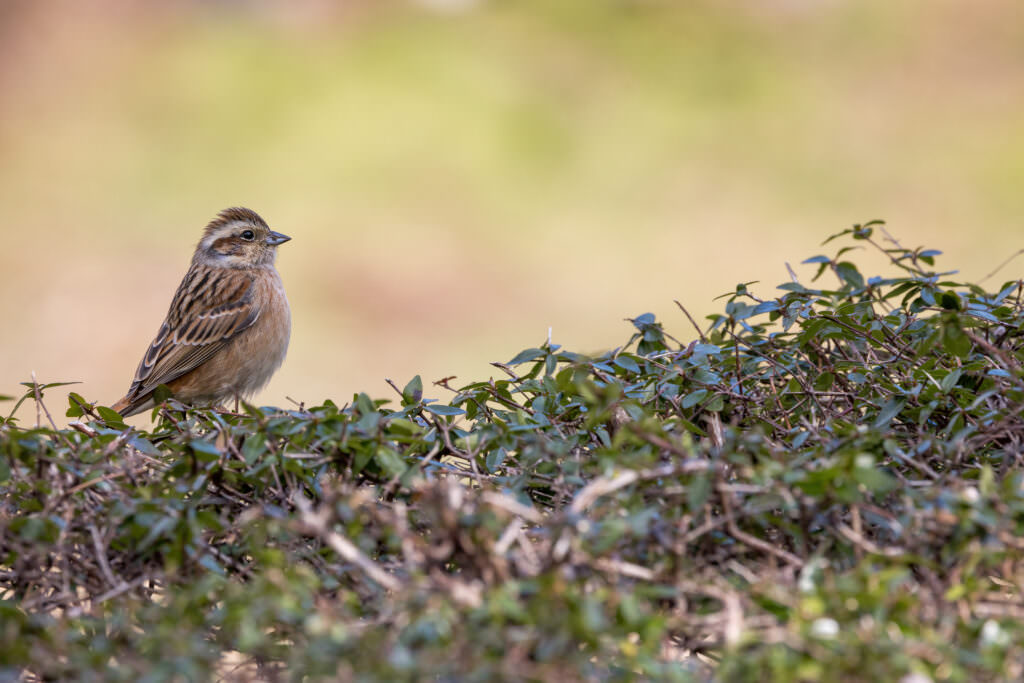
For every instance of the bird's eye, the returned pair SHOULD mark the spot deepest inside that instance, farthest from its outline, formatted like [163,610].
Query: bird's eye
[248,235]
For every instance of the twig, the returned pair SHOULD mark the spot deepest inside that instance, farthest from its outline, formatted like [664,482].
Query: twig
[508,536]
[83,428]
[601,486]
[98,480]
[392,385]
[40,404]
[315,523]
[864,544]
[1002,265]
[792,273]
[633,571]
[101,557]
[692,321]
[512,505]
[468,456]
[754,541]
[123,587]
[734,622]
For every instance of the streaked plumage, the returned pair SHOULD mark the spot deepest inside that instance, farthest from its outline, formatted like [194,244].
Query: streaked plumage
[228,326]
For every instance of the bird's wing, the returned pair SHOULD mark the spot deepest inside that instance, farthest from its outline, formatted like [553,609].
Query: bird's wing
[211,306]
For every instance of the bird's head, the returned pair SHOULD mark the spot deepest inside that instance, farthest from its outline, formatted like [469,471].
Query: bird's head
[239,238]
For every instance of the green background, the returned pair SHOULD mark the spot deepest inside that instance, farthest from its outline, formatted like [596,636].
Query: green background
[459,177]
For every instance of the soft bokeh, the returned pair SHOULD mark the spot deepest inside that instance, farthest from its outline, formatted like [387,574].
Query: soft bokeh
[459,177]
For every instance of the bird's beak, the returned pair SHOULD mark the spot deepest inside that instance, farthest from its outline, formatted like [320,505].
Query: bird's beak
[276,238]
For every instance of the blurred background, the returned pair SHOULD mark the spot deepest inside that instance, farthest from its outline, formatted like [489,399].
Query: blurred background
[458,177]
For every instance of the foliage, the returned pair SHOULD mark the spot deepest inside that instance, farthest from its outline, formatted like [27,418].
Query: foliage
[823,485]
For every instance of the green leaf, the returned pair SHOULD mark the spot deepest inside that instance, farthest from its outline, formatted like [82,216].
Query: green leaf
[706,349]
[111,417]
[205,450]
[716,404]
[526,355]
[253,448]
[863,232]
[824,381]
[364,404]
[76,404]
[954,339]
[849,274]
[697,492]
[48,385]
[413,391]
[361,460]
[693,398]
[950,301]
[950,380]
[391,462]
[627,363]
[495,459]
[444,410]
[643,321]
[888,411]
[764,307]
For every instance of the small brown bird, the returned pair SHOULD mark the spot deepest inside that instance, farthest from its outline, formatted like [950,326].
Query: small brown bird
[228,326]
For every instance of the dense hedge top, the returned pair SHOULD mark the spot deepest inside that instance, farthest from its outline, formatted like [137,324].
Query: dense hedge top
[827,484]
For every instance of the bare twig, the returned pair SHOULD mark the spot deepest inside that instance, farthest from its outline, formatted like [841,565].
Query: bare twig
[1002,265]
[513,506]
[692,321]
[753,541]
[859,541]
[315,524]
[101,557]
[628,569]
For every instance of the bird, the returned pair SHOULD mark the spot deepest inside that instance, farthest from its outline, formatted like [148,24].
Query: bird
[228,326]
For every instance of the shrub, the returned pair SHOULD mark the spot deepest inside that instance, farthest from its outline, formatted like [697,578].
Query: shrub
[823,485]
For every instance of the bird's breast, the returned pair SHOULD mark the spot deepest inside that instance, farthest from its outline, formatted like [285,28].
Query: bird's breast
[261,349]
